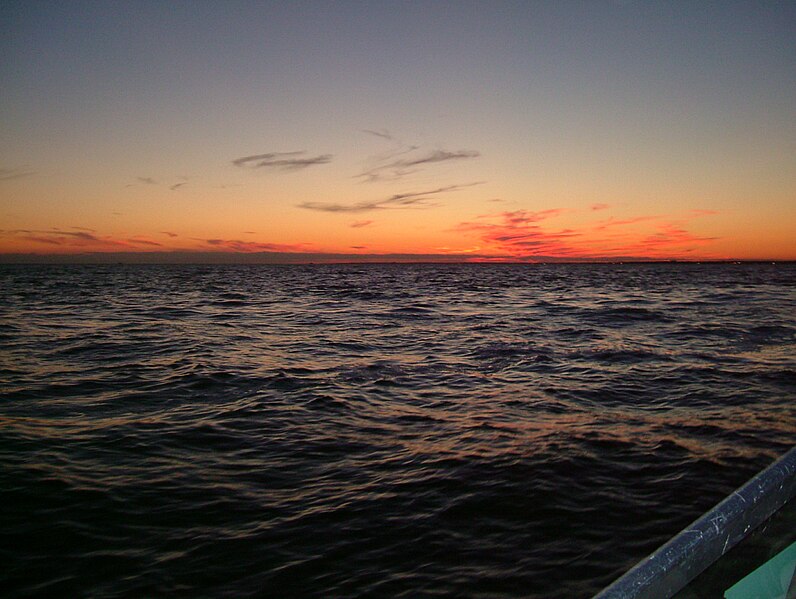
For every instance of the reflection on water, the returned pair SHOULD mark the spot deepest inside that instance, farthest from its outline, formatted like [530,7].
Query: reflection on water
[490,430]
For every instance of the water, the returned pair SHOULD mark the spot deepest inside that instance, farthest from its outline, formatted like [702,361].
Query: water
[377,430]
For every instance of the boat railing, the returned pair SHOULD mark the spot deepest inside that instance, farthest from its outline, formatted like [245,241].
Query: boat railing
[671,567]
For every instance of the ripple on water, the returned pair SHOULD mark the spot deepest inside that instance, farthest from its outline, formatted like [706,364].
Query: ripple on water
[386,430]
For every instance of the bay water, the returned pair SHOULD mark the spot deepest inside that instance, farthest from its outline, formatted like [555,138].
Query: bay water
[385,430]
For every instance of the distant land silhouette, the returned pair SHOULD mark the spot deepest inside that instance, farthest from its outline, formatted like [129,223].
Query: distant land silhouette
[325,258]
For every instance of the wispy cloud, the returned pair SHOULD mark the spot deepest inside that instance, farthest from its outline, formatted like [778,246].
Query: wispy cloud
[79,238]
[391,167]
[670,234]
[140,241]
[152,181]
[84,235]
[399,200]
[404,159]
[238,245]
[39,239]
[383,133]
[358,224]
[518,233]
[522,217]
[524,235]
[439,156]
[613,222]
[9,174]
[286,161]
[83,241]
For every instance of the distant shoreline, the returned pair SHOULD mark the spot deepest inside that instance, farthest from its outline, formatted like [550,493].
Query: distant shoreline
[286,259]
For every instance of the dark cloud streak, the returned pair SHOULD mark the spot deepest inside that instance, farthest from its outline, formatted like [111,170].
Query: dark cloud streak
[286,161]
[396,201]
[49,240]
[9,174]
[383,133]
[400,161]
[440,156]
[391,168]
[238,245]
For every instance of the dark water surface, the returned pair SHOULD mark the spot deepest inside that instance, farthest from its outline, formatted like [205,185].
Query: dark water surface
[379,430]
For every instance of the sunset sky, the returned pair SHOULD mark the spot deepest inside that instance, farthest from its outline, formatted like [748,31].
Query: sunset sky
[602,129]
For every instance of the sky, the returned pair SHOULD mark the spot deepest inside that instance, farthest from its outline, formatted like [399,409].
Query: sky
[478,131]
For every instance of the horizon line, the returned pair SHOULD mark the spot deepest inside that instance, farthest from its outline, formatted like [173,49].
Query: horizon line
[289,258]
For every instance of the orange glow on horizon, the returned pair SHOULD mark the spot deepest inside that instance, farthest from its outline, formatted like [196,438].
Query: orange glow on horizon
[509,235]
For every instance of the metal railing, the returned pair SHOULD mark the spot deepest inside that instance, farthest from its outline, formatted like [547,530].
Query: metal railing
[675,564]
